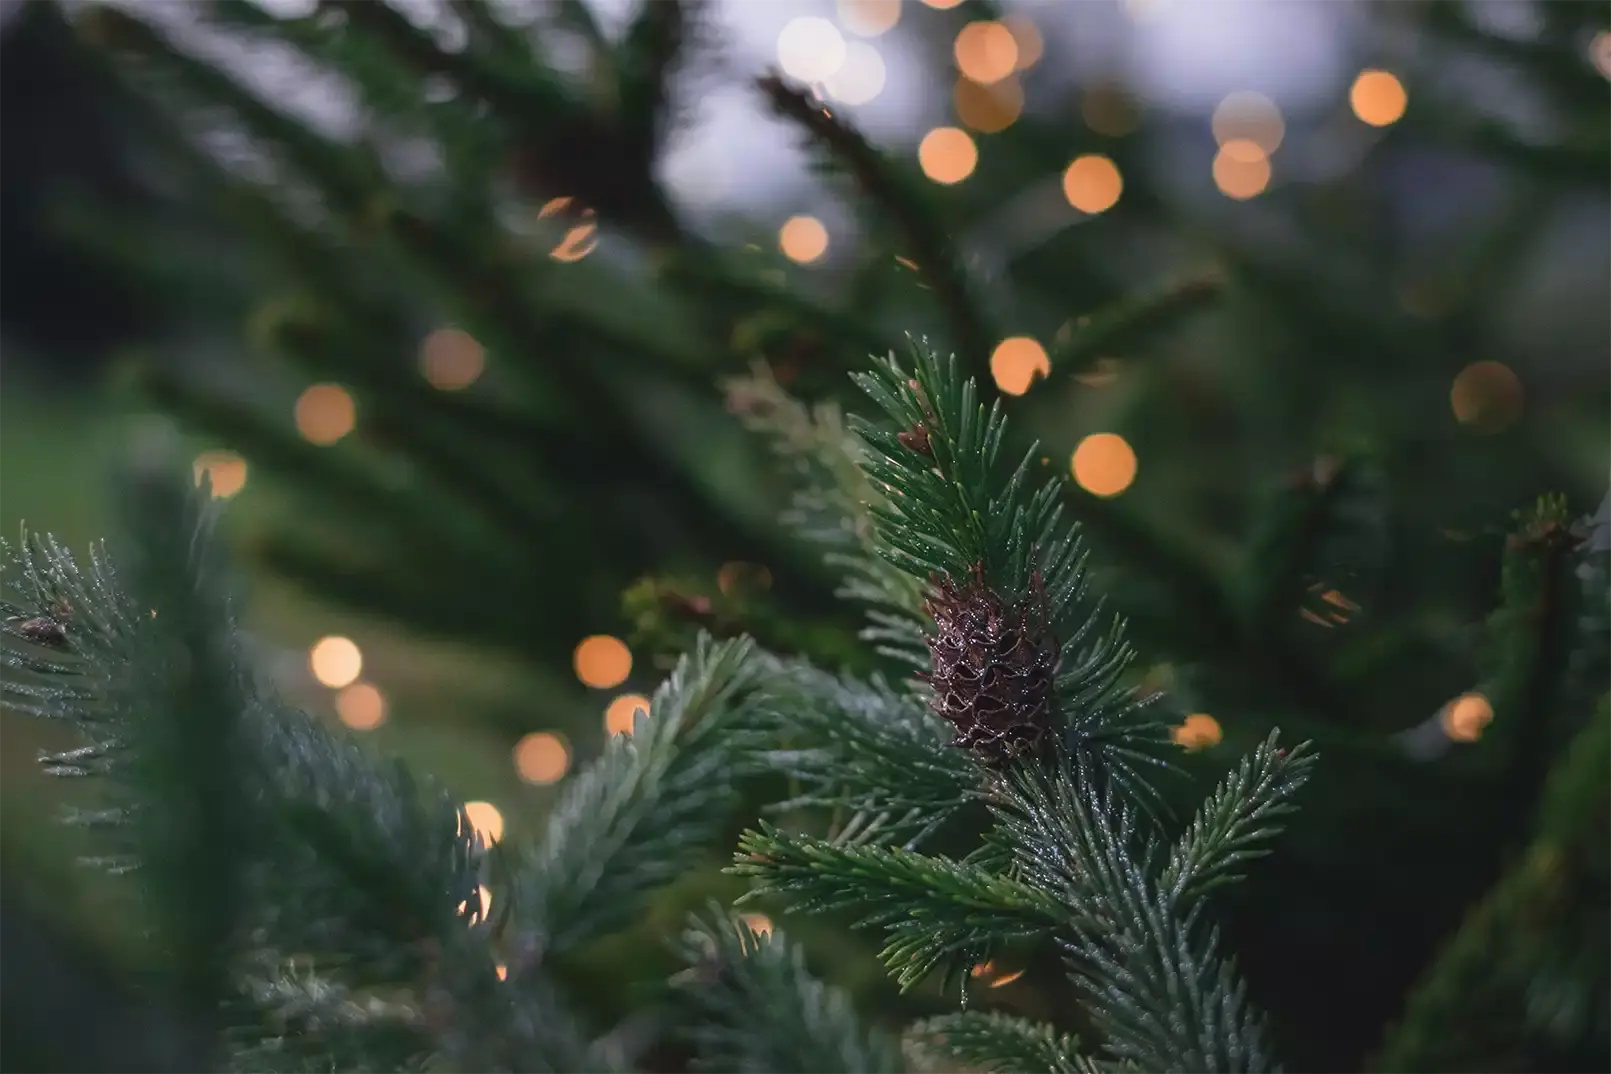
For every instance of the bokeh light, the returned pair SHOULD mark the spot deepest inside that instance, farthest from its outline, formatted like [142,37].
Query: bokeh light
[1199,732]
[1026,36]
[225,470]
[542,757]
[1247,123]
[803,239]
[451,359]
[1092,183]
[1016,362]
[869,18]
[1107,108]
[1487,396]
[1600,52]
[943,5]
[486,820]
[810,49]
[1241,170]
[361,706]
[623,713]
[335,661]
[1378,98]
[602,661]
[860,78]
[1104,464]
[581,239]
[759,924]
[988,109]
[324,414]
[947,155]
[1464,718]
[985,51]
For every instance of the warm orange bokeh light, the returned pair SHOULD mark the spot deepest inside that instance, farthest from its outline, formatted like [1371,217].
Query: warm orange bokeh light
[1487,396]
[225,470]
[869,18]
[324,414]
[1025,35]
[1241,170]
[1107,109]
[1465,717]
[942,5]
[1092,183]
[451,359]
[1104,464]
[602,661]
[542,757]
[582,237]
[335,661]
[947,155]
[803,239]
[486,820]
[361,706]
[1251,121]
[1016,362]
[988,109]
[1600,52]
[623,712]
[1378,98]
[1198,732]
[759,924]
[986,52]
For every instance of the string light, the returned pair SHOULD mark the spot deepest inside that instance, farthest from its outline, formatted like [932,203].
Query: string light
[602,661]
[1104,464]
[1092,183]
[451,359]
[335,661]
[869,18]
[1241,170]
[1249,122]
[486,820]
[1378,98]
[1031,47]
[1200,731]
[810,49]
[1016,362]
[985,51]
[581,239]
[988,109]
[942,5]
[324,414]
[361,706]
[1487,396]
[623,713]
[947,155]
[860,78]
[803,239]
[759,924]
[225,471]
[1465,718]
[542,758]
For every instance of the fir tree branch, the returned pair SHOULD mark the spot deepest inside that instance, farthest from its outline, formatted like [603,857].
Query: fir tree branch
[936,911]
[908,205]
[868,750]
[654,801]
[759,1009]
[1119,326]
[1242,812]
[992,1041]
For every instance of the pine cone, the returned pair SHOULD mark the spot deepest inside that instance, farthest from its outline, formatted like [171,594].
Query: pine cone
[992,666]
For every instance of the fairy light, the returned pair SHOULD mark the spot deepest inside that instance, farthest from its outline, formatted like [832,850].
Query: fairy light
[810,49]
[759,924]
[1092,183]
[1241,170]
[335,661]
[324,414]
[1465,718]
[1600,52]
[947,155]
[623,713]
[225,471]
[486,820]
[451,359]
[361,706]
[1378,98]
[803,239]
[602,661]
[1200,731]
[869,18]
[1104,464]
[542,758]
[1016,362]
[943,5]
[988,109]
[1250,122]
[860,78]
[581,238]
[985,51]
[1026,37]
[1487,396]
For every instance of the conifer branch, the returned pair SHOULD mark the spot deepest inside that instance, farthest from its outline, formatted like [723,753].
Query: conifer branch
[639,815]
[759,1009]
[937,913]
[1125,323]
[993,1041]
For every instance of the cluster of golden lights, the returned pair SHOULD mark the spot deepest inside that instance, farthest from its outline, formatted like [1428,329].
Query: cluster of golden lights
[1199,732]
[1465,718]
[337,662]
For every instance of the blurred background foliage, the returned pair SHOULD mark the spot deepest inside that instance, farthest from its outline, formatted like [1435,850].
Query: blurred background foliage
[456,302]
